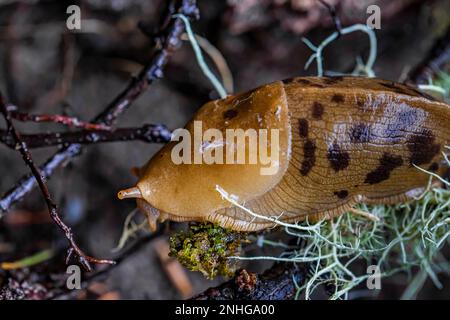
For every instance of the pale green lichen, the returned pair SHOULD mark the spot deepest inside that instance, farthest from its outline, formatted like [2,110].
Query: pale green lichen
[361,68]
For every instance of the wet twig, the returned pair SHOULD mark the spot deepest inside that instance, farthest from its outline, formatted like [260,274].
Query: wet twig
[21,146]
[170,31]
[65,293]
[27,182]
[148,133]
[55,118]
[334,17]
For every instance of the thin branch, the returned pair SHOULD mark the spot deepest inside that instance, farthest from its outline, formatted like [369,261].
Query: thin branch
[171,29]
[149,133]
[154,70]
[21,146]
[66,293]
[437,57]
[27,182]
[336,20]
[55,118]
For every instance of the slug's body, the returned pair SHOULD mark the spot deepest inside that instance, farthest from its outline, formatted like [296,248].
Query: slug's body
[342,140]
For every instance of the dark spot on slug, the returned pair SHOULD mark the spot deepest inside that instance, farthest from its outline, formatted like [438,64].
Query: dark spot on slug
[288,81]
[387,84]
[309,154]
[317,110]
[338,98]
[303,127]
[332,80]
[360,133]
[387,164]
[342,194]
[338,158]
[422,147]
[433,167]
[230,114]
[361,103]
[392,86]
[302,81]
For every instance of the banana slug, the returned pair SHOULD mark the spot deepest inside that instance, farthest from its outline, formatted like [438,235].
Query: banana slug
[342,141]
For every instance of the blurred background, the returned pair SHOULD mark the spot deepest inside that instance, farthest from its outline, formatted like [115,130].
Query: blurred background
[45,68]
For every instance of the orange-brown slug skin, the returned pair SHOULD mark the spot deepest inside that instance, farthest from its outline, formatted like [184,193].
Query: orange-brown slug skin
[342,141]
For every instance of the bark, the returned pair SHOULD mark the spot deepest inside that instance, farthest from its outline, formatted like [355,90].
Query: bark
[276,283]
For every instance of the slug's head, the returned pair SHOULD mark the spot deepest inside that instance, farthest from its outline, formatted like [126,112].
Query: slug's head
[241,144]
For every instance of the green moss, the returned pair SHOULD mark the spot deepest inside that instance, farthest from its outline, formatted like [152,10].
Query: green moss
[206,248]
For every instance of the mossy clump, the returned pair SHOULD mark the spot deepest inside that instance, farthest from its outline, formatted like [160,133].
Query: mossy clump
[206,248]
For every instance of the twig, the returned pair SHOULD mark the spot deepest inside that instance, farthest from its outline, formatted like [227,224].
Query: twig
[336,20]
[172,29]
[437,57]
[154,70]
[27,182]
[55,118]
[66,293]
[21,146]
[148,133]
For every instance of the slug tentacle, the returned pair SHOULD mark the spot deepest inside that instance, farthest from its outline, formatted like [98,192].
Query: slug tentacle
[129,193]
